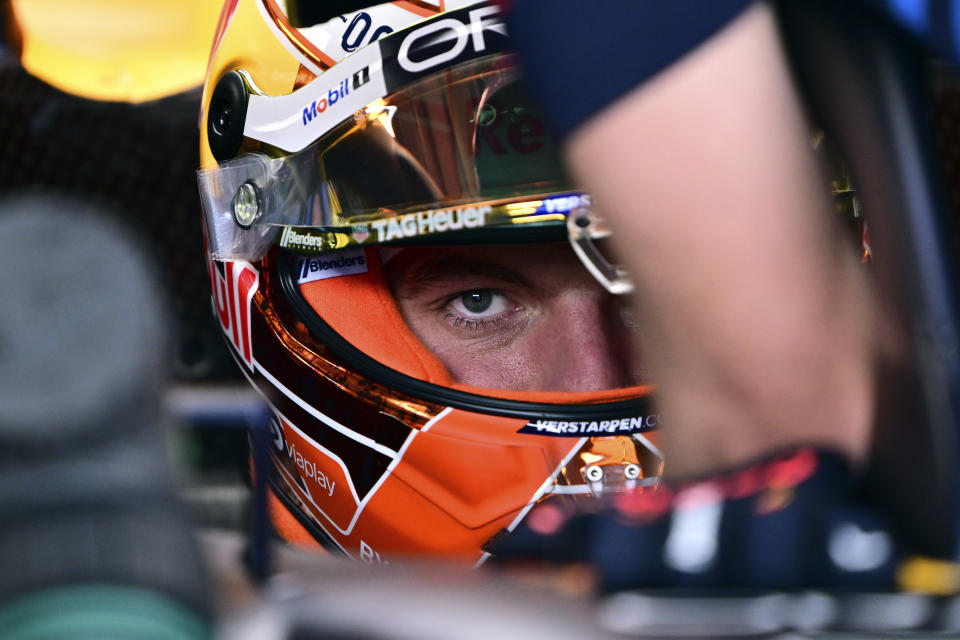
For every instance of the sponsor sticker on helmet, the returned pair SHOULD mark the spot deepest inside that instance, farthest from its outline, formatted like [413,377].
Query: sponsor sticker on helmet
[411,225]
[344,263]
[233,285]
[406,226]
[564,203]
[310,240]
[455,37]
[337,94]
[293,121]
[572,429]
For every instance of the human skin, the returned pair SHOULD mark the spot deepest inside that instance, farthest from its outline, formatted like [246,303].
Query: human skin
[522,317]
[758,320]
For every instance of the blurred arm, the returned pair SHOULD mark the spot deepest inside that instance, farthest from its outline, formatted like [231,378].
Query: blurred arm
[757,316]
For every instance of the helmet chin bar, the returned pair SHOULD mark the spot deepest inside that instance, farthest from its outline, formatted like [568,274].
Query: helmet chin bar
[583,227]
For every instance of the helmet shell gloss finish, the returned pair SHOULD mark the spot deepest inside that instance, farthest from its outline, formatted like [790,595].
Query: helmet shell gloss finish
[378,456]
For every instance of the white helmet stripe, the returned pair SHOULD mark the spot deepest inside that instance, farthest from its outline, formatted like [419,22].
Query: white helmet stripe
[293,121]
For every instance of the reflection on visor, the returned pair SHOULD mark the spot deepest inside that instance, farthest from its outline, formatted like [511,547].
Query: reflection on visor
[410,228]
[463,152]
[465,148]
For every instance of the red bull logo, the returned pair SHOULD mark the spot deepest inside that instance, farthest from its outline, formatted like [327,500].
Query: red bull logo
[233,284]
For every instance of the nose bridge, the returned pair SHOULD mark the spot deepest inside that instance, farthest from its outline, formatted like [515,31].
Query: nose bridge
[588,353]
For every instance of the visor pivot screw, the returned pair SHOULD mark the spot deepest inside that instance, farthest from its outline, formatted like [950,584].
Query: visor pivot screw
[631,471]
[227,114]
[246,205]
[221,121]
[581,218]
[593,473]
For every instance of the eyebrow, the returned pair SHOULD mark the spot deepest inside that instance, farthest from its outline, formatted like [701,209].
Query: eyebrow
[442,270]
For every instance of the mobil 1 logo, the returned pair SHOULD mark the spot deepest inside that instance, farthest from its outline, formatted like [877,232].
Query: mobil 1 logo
[451,38]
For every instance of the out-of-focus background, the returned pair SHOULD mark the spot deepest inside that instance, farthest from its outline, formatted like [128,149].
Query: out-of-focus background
[100,100]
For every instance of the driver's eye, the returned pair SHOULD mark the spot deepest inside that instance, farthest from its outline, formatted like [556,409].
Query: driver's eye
[477,301]
[479,304]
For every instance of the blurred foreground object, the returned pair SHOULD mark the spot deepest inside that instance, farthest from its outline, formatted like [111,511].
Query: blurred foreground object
[117,50]
[832,519]
[313,596]
[781,545]
[100,100]
[93,541]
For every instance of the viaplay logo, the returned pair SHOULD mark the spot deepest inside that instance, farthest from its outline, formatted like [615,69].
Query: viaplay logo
[337,94]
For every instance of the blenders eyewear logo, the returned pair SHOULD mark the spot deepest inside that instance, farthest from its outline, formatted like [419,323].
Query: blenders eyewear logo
[458,36]
[337,94]
[311,240]
[341,264]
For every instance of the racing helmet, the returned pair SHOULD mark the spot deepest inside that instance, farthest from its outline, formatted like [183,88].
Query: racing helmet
[333,147]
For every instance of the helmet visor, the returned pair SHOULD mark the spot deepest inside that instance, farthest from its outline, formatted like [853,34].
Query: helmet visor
[465,150]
